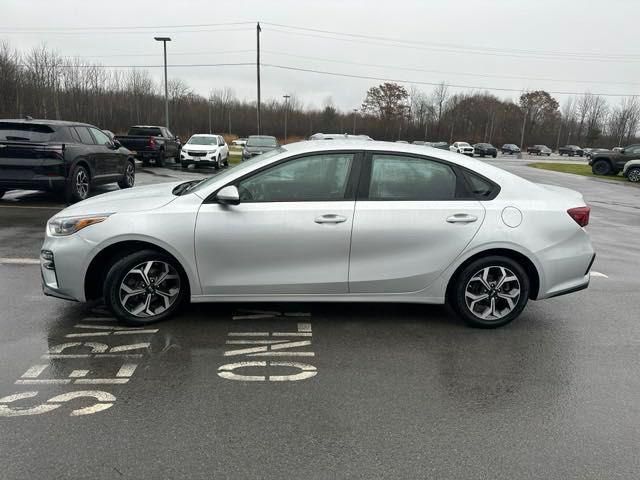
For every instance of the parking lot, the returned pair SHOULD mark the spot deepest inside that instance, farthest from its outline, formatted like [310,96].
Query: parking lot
[324,390]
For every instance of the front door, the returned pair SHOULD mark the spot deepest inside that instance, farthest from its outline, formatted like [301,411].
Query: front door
[290,234]
[409,225]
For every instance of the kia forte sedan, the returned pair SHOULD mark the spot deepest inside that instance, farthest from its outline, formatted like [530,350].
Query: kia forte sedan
[326,221]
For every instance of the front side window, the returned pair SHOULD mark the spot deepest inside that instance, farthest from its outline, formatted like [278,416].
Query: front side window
[306,179]
[407,178]
[101,138]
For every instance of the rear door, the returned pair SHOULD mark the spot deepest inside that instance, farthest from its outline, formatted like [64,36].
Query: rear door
[91,155]
[409,224]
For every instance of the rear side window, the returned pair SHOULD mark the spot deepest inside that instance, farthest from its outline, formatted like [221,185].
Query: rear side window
[479,187]
[26,132]
[396,177]
[74,134]
[85,135]
[145,132]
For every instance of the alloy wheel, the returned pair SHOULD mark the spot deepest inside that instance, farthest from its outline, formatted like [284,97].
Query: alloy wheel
[82,183]
[492,293]
[149,288]
[634,174]
[130,174]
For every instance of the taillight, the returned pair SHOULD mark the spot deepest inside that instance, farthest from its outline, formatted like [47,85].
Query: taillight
[152,142]
[580,215]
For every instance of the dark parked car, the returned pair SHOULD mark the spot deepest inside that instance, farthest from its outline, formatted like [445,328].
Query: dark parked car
[440,145]
[65,157]
[485,149]
[571,150]
[612,163]
[257,145]
[539,150]
[510,148]
[593,151]
[148,142]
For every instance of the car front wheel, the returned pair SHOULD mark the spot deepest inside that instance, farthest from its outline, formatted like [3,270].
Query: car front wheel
[490,292]
[601,167]
[129,178]
[78,185]
[633,174]
[144,287]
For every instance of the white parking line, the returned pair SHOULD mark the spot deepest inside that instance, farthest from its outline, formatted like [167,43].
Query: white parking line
[598,274]
[19,261]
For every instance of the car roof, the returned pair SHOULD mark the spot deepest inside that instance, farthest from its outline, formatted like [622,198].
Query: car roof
[146,126]
[60,123]
[261,136]
[206,135]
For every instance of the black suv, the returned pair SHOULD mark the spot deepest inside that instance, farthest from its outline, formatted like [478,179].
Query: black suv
[65,157]
[485,149]
[510,148]
[611,163]
[571,150]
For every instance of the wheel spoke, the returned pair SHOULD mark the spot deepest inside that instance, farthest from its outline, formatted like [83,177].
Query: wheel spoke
[149,298]
[143,307]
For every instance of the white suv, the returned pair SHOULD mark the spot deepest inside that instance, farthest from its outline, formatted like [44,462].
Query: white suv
[462,147]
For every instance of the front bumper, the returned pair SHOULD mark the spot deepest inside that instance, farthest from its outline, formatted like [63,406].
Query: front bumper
[208,159]
[66,279]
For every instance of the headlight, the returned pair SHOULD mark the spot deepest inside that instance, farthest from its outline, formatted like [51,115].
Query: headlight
[63,226]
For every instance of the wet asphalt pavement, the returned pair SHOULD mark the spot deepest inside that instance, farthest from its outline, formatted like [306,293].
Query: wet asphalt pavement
[388,391]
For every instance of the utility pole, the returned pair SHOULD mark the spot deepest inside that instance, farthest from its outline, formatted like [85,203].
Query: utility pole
[164,41]
[229,120]
[286,111]
[209,102]
[524,124]
[355,115]
[258,30]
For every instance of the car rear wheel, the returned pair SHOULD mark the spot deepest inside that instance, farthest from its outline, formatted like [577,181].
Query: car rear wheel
[2,192]
[490,292]
[144,287]
[601,167]
[129,178]
[633,174]
[78,184]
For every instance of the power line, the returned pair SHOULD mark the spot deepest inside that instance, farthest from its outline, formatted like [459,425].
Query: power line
[411,69]
[449,50]
[418,82]
[77,33]
[182,65]
[118,55]
[453,45]
[122,27]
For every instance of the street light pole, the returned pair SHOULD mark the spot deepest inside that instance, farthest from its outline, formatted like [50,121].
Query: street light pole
[164,41]
[355,113]
[286,111]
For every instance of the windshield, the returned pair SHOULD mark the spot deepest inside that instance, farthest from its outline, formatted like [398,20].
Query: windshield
[235,170]
[463,144]
[262,142]
[203,141]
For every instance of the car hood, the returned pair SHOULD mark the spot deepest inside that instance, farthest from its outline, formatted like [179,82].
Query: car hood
[135,199]
[199,148]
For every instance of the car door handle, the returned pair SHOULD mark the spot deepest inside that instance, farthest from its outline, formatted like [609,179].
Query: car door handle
[330,218]
[462,218]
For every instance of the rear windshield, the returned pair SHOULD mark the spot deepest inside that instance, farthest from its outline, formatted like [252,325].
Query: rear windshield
[262,142]
[26,132]
[146,132]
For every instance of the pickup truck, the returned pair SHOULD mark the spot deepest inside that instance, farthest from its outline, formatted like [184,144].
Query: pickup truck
[571,150]
[151,143]
[612,163]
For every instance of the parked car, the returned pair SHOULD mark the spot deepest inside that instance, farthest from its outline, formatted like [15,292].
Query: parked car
[401,141]
[239,142]
[612,163]
[338,136]
[631,171]
[204,149]
[418,142]
[257,145]
[617,149]
[485,150]
[430,228]
[510,148]
[571,150]
[462,147]
[64,157]
[440,145]
[539,150]
[151,143]
[595,151]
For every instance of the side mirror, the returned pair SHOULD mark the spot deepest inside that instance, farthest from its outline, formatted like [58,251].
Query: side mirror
[229,195]
[622,150]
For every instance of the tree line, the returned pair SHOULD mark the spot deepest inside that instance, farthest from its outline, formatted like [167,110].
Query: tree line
[43,84]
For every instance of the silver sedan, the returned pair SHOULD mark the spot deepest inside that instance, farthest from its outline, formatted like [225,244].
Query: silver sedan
[335,221]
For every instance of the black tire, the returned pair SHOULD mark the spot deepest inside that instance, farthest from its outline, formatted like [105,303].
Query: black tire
[122,268]
[494,155]
[217,165]
[160,159]
[226,160]
[184,164]
[2,192]
[145,162]
[462,281]
[78,185]
[601,167]
[129,178]
[633,175]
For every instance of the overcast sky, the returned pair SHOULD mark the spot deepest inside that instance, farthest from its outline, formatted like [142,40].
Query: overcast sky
[556,45]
